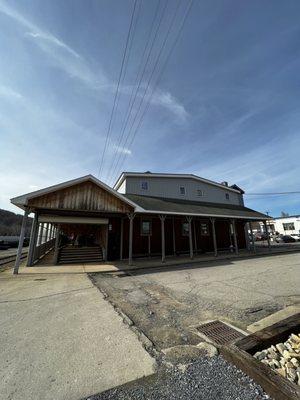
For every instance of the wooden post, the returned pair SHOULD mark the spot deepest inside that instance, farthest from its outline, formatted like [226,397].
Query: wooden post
[246,229]
[41,230]
[189,220]
[21,241]
[131,218]
[252,237]
[121,239]
[163,249]
[267,233]
[234,237]
[214,236]
[174,238]
[32,242]
[56,249]
[149,245]
[195,236]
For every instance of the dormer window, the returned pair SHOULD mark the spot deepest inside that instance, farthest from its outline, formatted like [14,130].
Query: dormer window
[227,196]
[144,185]
[182,190]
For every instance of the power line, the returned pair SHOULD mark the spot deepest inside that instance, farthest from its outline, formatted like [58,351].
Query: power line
[117,89]
[271,194]
[134,96]
[159,76]
[151,75]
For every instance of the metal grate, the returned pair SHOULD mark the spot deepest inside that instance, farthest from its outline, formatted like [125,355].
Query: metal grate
[219,332]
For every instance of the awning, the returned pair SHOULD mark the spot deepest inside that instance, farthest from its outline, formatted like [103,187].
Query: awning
[159,205]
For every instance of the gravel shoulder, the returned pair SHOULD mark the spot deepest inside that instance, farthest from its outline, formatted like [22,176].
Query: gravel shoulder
[204,379]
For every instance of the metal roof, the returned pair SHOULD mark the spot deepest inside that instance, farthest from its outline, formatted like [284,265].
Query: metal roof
[185,207]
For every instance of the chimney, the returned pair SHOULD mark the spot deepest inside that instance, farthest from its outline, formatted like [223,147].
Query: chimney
[224,183]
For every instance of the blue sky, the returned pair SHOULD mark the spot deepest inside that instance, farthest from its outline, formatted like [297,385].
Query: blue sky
[226,106]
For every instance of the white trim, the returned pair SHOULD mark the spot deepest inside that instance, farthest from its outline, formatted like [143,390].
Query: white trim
[23,200]
[200,215]
[124,175]
[72,220]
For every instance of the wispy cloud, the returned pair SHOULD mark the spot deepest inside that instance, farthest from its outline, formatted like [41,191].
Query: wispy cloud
[166,100]
[59,53]
[122,150]
[8,93]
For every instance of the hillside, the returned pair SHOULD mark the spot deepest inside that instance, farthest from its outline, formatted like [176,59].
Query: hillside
[10,224]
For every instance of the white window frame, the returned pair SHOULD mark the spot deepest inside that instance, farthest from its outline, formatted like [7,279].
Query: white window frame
[184,190]
[144,185]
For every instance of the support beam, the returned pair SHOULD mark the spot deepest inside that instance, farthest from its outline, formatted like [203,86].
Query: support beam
[41,230]
[173,236]
[149,245]
[131,218]
[106,244]
[21,241]
[121,239]
[252,237]
[267,233]
[163,246]
[32,242]
[195,236]
[189,220]
[213,220]
[246,230]
[234,237]
[56,246]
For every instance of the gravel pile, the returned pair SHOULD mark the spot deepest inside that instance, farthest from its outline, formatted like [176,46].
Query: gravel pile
[204,379]
[284,358]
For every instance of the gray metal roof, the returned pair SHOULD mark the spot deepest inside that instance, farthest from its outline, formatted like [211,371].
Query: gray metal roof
[186,207]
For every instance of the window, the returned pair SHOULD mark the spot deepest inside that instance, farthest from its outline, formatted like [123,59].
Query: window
[144,185]
[204,229]
[146,228]
[182,190]
[200,193]
[227,196]
[288,226]
[185,229]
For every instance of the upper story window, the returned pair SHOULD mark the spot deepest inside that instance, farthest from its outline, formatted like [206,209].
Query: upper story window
[182,190]
[227,196]
[185,229]
[288,226]
[200,192]
[144,185]
[204,229]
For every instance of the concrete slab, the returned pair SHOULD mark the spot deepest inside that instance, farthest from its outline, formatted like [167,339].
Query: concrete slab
[273,318]
[61,340]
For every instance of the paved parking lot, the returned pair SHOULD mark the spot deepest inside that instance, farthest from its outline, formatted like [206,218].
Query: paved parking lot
[165,302]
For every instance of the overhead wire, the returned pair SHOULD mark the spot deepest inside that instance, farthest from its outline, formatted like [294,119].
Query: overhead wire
[158,79]
[117,89]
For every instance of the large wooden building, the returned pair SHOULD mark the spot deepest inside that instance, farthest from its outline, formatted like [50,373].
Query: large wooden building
[144,215]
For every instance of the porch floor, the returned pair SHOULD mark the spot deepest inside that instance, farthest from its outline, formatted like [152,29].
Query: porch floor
[46,266]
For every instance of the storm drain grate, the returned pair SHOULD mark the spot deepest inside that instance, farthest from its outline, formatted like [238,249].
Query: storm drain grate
[219,332]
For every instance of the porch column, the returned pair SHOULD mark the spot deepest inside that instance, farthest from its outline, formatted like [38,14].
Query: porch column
[173,233]
[131,218]
[214,236]
[252,237]
[32,242]
[195,236]
[267,233]
[246,228]
[121,239]
[163,249]
[189,220]
[21,241]
[41,230]
[234,237]
[55,258]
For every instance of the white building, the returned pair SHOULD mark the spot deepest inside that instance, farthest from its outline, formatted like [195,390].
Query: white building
[285,225]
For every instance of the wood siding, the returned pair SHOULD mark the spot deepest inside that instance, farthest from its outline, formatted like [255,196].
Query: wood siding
[86,196]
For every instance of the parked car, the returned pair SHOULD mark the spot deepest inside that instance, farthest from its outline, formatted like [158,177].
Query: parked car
[261,236]
[285,239]
[296,236]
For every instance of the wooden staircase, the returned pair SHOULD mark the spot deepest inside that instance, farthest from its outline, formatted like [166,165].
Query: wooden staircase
[79,255]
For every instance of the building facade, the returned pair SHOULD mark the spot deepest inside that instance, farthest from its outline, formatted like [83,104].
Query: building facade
[144,215]
[285,225]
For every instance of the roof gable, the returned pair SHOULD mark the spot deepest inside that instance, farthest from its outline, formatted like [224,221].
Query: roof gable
[85,193]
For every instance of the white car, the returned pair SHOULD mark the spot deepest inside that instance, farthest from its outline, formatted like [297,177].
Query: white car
[296,236]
